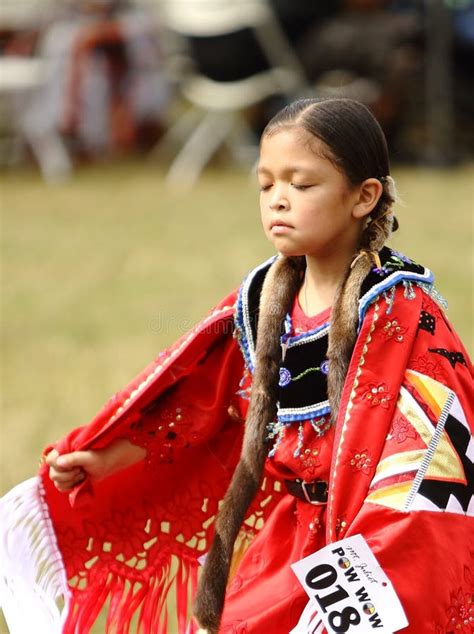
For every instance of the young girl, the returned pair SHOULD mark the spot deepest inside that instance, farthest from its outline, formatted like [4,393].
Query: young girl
[339,406]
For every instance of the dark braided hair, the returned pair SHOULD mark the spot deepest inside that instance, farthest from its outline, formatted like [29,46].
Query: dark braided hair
[355,144]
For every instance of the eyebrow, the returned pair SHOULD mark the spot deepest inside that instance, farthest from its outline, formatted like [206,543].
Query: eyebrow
[289,170]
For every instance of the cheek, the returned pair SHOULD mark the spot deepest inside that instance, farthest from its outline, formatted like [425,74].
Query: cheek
[310,218]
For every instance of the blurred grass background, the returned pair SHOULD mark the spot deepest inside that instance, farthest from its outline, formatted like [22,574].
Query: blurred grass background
[100,274]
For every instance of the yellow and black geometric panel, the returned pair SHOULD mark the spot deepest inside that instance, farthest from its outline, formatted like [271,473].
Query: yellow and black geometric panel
[428,460]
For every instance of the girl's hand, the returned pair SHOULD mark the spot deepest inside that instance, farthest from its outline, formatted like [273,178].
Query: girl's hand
[70,469]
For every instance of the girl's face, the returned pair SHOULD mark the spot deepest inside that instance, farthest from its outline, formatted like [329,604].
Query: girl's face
[306,204]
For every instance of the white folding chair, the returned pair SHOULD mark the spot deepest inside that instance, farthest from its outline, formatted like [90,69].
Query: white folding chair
[21,78]
[217,115]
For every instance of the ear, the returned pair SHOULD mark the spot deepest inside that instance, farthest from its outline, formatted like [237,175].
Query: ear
[369,193]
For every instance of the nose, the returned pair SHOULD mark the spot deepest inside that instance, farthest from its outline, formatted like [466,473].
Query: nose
[279,200]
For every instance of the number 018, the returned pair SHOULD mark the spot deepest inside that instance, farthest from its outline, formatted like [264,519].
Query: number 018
[322,577]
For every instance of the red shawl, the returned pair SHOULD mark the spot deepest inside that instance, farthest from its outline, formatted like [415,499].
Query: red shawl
[402,475]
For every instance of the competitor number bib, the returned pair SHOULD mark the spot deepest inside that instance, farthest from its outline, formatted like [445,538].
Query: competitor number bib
[348,591]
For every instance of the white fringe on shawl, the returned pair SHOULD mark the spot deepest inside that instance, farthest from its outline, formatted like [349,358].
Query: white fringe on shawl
[32,574]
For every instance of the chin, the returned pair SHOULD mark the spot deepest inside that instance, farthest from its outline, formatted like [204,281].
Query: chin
[289,252]
[287,247]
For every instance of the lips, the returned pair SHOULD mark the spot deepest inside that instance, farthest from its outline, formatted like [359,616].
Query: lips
[279,223]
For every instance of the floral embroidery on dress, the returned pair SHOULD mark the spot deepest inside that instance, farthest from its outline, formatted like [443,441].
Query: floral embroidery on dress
[162,435]
[361,461]
[310,462]
[461,611]
[135,542]
[430,367]
[74,545]
[183,523]
[313,524]
[401,429]
[378,395]
[394,331]
[128,531]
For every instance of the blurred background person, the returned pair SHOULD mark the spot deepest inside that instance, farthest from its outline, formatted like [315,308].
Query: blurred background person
[100,90]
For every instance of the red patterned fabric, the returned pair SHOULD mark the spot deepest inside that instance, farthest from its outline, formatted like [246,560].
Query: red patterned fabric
[139,534]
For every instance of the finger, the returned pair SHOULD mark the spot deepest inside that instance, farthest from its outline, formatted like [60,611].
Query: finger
[66,487]
[51,457]
[73,459]
[65,476]
[69,484]
[52,460]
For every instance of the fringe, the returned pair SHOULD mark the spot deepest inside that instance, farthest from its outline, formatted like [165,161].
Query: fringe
[33,578]
[35,595]
[137,604]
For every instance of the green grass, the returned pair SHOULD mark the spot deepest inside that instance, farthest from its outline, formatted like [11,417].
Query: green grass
[99,274]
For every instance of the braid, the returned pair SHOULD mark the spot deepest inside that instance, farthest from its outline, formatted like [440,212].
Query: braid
[380,225]
[382,221]
[343,330]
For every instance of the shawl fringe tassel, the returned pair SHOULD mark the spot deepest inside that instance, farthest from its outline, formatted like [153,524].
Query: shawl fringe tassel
[34,591]
[33,578]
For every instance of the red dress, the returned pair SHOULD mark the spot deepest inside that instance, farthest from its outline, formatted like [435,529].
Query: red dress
[265,595]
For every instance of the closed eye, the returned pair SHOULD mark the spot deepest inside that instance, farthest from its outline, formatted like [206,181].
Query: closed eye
[301,187]
[264,188]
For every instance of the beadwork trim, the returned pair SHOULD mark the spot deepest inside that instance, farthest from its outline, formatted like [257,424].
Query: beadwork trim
[432,291]
[276,431]
[307,337]
[425,278]
[244,333]
[292,414]
[246,343]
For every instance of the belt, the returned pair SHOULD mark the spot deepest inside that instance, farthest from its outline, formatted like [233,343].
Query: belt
[313,492]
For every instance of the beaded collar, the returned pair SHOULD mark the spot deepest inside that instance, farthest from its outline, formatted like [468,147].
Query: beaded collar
[396,268]
[304,367]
